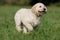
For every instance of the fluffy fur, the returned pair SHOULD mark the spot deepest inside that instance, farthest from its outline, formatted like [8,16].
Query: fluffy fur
[29,17]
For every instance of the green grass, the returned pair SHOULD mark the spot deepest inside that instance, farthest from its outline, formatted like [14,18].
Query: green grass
[49,29]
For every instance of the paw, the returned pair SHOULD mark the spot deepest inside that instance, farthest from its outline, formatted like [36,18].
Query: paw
[24,30]
[30,29]
[18,29]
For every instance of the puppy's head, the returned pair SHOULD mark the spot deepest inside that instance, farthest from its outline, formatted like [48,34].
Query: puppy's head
[39,9]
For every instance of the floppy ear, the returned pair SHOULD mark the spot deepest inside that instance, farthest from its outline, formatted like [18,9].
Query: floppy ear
[33,9]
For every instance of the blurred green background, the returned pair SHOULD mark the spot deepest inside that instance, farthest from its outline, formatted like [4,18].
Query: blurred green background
[28,2]
[48,29]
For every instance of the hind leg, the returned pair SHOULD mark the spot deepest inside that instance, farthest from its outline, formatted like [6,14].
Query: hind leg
[18,28]
[18,24]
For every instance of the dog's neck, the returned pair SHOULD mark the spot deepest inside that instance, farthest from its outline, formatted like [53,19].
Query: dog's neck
[34,12]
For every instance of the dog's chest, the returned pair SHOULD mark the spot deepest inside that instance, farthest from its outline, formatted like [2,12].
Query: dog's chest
[33,21]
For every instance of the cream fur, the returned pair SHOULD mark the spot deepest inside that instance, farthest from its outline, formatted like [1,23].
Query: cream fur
[28,17]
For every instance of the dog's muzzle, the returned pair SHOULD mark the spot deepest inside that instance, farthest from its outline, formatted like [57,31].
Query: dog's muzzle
[40,13]
[44,11]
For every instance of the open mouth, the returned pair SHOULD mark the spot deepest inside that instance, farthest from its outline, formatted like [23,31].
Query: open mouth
[42,11]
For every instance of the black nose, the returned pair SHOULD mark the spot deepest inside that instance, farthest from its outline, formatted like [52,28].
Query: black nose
[44,8]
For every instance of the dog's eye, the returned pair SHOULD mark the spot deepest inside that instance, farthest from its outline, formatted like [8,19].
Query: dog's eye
[40,6]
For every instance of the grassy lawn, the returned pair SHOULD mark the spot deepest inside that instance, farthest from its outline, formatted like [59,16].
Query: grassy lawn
[49,29]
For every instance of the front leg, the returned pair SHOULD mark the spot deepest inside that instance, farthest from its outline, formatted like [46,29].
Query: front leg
[24,29]
[29,26]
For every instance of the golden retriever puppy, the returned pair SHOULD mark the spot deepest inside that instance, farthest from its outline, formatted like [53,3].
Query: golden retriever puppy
[26,19]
